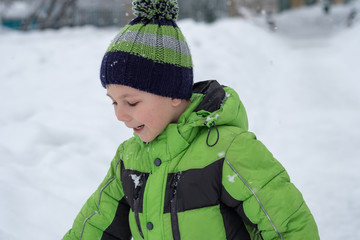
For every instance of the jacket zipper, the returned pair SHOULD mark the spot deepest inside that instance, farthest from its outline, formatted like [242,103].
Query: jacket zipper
[173,207]
[137,203]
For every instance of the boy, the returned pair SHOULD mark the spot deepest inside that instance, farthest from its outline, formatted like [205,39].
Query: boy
[192,170]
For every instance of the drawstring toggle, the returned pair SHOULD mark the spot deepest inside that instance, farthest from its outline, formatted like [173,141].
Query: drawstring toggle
[210,124]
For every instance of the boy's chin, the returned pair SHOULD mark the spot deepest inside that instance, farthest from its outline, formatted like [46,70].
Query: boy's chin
[146,139]
[147,136]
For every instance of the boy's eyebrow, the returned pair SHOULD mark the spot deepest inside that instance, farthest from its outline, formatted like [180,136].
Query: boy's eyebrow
[122,96]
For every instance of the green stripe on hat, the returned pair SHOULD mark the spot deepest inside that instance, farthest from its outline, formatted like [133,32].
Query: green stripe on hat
[153,40]
[157,54]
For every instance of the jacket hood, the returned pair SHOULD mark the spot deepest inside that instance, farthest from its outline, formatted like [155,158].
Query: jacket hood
[212,104]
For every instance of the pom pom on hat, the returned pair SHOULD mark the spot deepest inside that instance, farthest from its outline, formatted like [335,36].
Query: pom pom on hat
[156,9]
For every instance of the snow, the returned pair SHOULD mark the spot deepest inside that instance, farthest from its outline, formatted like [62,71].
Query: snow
[221,154]
[300,86]
[136,179]
[231,178]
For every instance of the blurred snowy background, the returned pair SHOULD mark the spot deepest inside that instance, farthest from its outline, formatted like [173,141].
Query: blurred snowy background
[297,73]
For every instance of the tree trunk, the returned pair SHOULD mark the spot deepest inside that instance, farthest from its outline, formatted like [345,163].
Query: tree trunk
[233,12]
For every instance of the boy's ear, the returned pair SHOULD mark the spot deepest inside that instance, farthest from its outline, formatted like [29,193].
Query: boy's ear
[175,102]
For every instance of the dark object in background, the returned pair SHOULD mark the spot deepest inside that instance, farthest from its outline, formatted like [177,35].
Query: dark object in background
[351,17]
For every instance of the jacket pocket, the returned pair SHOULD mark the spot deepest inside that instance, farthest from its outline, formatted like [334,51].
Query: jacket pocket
[173,206]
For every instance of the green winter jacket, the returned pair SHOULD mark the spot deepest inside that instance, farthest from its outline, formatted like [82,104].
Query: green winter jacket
[205,177]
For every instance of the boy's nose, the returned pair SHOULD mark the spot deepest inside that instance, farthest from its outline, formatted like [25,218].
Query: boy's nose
[122,116]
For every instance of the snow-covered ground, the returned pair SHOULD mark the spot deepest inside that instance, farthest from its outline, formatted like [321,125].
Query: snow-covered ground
[300,85]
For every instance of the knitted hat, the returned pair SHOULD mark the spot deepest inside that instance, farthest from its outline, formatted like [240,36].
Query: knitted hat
[150,53]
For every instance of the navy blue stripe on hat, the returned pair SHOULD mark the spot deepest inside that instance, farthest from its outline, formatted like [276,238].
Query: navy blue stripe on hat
[144,74]
[162,22]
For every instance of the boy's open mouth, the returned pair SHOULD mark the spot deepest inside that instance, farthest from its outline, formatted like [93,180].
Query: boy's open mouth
[139,128]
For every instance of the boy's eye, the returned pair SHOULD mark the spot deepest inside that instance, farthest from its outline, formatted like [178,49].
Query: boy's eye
[132,104]
[114,103]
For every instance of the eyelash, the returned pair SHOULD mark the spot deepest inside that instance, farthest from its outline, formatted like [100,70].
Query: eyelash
[130,104]
[133,104]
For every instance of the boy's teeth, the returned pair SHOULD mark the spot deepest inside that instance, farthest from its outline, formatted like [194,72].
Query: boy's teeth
[139,127]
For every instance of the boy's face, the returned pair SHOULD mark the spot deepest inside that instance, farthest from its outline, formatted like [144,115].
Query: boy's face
[147,114]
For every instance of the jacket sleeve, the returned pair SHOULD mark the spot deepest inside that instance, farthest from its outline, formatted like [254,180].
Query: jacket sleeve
[266,199]
[105,213]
